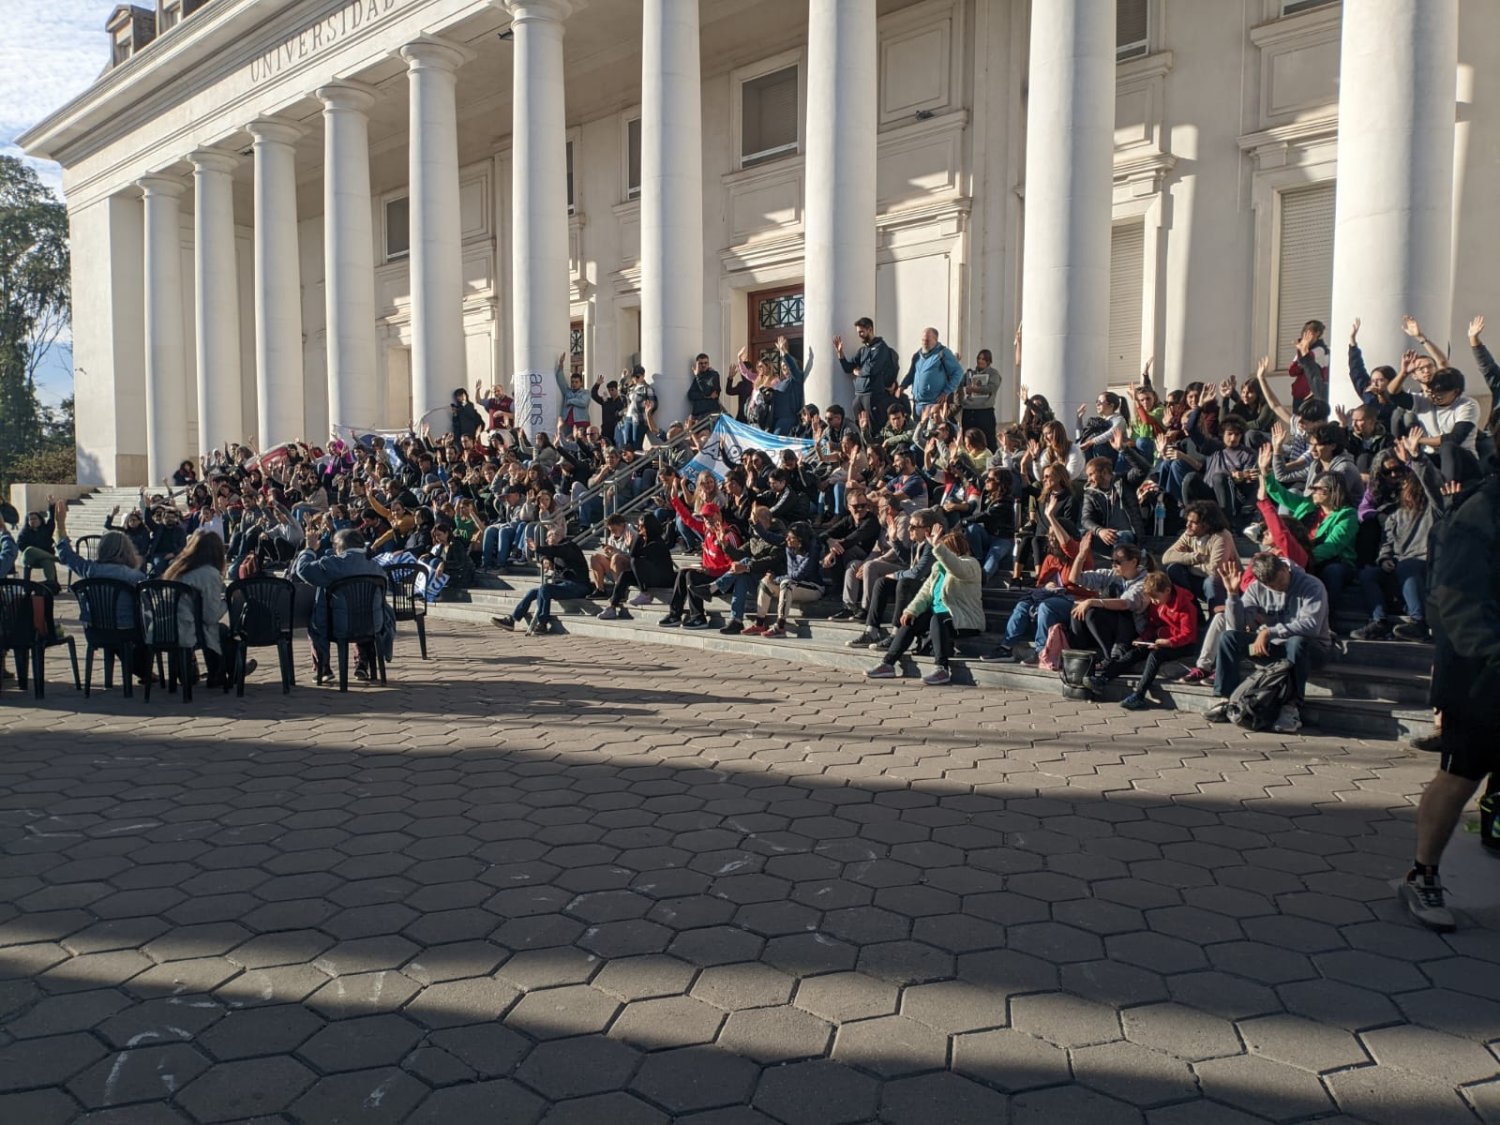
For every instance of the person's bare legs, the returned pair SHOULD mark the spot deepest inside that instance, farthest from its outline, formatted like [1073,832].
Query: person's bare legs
[1442,804]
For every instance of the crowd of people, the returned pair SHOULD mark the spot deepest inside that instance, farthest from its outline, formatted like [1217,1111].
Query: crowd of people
[1119,526]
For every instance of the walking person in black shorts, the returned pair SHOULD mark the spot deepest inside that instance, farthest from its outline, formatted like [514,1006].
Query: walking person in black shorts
[1465,601]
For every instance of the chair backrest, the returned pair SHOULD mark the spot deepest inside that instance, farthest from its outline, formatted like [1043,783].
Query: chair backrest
[361,598]
[110,606]
[405,600]
[159,603]
[260,609]
[84,547]
[25,613]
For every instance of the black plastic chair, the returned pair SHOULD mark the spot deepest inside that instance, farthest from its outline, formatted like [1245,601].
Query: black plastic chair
[362,598]
[21,603]
[84,547]
[159,601]
[260,615]
[105,603]
[407,603]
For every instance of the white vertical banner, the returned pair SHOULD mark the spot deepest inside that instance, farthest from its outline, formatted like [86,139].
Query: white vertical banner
[535,393]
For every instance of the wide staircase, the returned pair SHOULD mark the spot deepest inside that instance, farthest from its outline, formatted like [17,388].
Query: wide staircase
[1373,689]
[86,516]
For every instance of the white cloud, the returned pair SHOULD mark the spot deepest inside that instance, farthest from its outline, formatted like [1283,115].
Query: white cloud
[49,54]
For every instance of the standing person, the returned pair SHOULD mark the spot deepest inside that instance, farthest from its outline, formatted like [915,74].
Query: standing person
[573,406]
[873,369]
[1464,610]
[464,414]
[983,387]
[786,390]
[611,406]
[639,416]
[704,388]
[934,375]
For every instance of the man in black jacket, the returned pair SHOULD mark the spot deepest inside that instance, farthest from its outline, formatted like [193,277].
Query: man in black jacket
[874,368]
[1109,509]
[1464,611]
[704,388]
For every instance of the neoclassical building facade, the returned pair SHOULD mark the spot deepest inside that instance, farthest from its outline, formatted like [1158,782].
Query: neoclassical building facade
[290,215]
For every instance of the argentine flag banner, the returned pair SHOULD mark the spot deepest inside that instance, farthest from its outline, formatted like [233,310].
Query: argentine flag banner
[727,442]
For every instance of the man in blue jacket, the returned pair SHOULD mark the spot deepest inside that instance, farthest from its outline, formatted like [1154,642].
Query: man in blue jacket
[347,561]
[934,375]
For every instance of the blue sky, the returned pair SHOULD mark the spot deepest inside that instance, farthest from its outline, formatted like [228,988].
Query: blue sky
[49,53]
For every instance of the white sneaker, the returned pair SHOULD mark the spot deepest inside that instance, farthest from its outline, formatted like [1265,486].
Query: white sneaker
[1422,895]
[1289,721]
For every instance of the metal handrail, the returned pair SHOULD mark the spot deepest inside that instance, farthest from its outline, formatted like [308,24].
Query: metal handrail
[667,453]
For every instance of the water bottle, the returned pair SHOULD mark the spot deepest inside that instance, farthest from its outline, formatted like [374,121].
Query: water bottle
[1161,516]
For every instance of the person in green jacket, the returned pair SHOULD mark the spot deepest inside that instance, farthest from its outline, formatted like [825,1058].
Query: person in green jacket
[1334,523]
[950,602]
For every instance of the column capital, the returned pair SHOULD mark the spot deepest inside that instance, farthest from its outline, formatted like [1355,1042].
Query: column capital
[213,160]
[347,96]
[164,186]
[277,132]
[429,53]
[539,11]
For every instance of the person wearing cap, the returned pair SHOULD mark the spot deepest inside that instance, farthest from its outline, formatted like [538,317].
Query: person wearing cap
[719,570]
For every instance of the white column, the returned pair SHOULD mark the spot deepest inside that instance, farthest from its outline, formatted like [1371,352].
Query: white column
[278,286]
[349,256]
[167,442]
[1393,215]
[539,220]
[438,363]
[217,304]
[839,208]
[671,199]
[1070,125]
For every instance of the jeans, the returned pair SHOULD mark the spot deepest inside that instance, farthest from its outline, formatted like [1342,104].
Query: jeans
[993,550]
[507,538]
[489,546]
[1306,654]
[1410,577]
[629,434]
[1334,576]
[542,596]
[1172,475]
[1207,586]
[738,588]
[690,538]
[939,628]
[1039,617]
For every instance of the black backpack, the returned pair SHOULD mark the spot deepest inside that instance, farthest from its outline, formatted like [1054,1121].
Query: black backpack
[1260,697]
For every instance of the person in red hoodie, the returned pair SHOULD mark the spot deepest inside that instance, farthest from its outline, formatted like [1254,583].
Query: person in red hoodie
[1172,625]
[720,569]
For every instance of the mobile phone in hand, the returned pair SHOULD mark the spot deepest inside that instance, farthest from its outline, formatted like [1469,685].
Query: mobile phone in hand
[1144,644]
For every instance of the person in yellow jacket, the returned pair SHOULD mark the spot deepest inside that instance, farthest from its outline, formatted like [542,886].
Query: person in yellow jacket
[950,602]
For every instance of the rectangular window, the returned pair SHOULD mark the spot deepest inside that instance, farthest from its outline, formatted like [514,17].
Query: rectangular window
[570,177]
[1292,7]
[768,116]
[170,13]
[397,228]
[1304,276]
[575,348]
[633,158]
[1127,272]
[1132,28]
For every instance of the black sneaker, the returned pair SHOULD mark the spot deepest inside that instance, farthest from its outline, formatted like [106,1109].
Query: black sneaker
[670,621]
[847,613]
[1000,653]
[1422,895]
[695,622]
[864,640]
[508,623]
[1377,630]
[733,628]
[1414,630]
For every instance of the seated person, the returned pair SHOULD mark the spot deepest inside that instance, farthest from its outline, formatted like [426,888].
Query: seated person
[1283,614]
[1330,514]
[347,561]
[564,576]
[720,569]
[1171,633]
[1402,561]
[1231,473]
[1193,561]
[1113,611]
[1108,510]
[949,602]
[612,559]
[650,567]
[882,584]
[795,578]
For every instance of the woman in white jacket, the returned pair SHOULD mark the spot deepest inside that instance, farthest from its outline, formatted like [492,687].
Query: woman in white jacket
[201,566]
[950,602]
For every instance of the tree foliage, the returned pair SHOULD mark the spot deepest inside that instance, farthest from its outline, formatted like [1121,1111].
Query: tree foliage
[35,304]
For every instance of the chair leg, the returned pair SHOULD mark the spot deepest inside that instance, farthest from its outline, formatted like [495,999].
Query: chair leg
[291,665]
[88,670]
[239,673]
[284,657]
[127,668]
[73,656]
[422,636]
[149,678]
[380,662]
[343,666]
[23,669]
[109,668]
[38,672]
[185,663]
[161,668]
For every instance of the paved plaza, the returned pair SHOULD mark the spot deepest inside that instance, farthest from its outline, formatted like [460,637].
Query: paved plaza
[565,881]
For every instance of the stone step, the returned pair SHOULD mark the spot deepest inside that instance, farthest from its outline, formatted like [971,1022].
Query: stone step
[1356,700]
